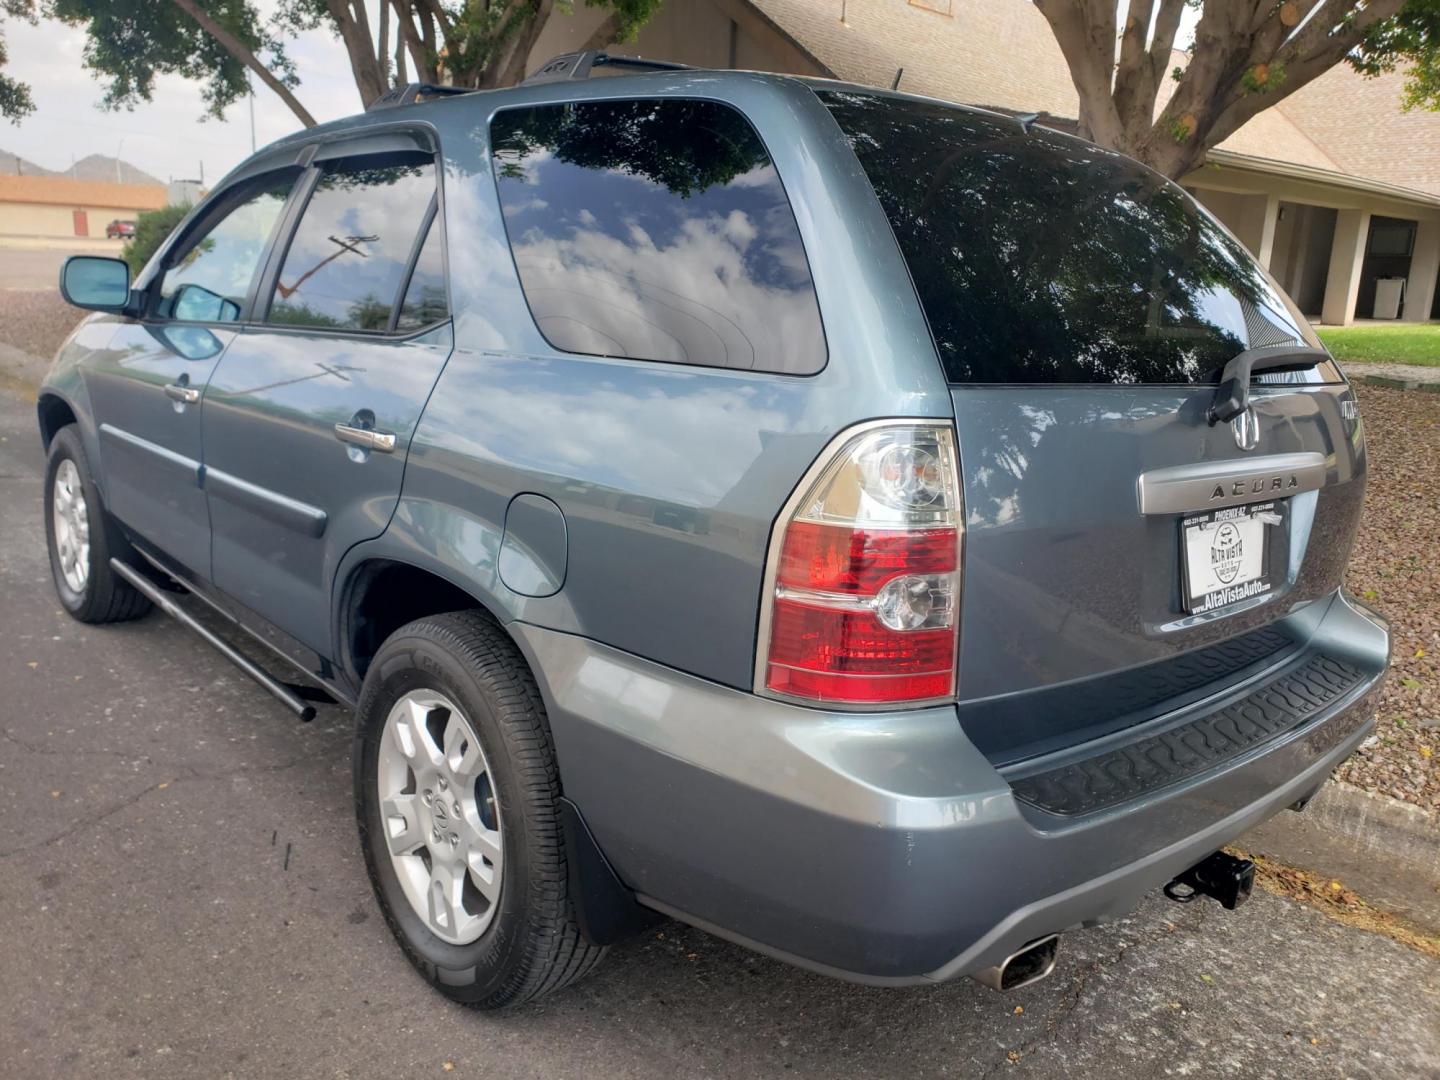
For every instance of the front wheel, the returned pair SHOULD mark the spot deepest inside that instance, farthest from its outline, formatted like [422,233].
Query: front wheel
[82,538]
[457,795]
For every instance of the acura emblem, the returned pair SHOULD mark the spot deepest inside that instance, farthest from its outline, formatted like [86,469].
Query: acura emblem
[1246,428]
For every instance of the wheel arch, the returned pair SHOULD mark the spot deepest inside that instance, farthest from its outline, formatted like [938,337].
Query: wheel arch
[53,412]
[378,593]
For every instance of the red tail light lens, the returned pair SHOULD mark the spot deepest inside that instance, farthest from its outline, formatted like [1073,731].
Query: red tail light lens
[862,594]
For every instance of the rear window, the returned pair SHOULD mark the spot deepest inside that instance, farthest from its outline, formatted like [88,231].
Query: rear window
[658,230]
[1042,258]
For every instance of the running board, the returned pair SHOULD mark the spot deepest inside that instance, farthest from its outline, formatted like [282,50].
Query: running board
[291,700]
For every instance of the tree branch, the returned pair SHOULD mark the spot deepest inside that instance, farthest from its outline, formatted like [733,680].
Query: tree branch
[513,69]
[240,51]
[1085,33]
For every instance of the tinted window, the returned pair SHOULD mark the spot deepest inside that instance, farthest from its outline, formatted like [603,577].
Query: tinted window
[1041,258]
[212,279]
[657,230]
[424,301]
[350,251]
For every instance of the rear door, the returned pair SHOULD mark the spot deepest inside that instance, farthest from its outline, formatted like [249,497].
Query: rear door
[309,415]
[1121,551]
[146,388]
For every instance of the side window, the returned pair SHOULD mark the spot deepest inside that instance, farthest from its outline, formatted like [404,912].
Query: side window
[349,254]
[656,229]
[424,301]
[210,281]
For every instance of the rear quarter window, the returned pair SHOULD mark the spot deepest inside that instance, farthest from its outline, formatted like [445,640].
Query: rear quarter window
[656,229]
[1043,258]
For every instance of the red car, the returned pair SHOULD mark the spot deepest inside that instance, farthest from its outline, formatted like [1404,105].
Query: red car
[119,230]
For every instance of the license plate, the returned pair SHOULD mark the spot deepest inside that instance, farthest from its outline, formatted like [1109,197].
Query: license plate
[1226,557]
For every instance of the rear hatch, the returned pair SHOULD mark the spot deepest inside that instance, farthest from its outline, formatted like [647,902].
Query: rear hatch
[1124,554]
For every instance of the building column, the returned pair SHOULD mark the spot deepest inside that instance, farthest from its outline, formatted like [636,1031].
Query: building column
[1347,255]
[1254,223]
[1424,270]
[1269,214]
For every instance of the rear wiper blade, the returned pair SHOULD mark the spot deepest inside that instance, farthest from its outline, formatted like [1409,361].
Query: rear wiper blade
[1233,396]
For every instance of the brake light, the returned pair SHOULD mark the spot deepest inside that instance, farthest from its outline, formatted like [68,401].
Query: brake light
[862,589]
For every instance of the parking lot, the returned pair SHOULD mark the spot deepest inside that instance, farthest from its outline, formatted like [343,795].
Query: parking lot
[184,896]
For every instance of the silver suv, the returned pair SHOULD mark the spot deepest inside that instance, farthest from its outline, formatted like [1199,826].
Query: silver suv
[882,533]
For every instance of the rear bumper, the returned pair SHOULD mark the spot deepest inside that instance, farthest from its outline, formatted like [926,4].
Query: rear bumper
[884,848]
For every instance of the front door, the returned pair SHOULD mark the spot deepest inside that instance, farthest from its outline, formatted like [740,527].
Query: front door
[309,415]
[146,389]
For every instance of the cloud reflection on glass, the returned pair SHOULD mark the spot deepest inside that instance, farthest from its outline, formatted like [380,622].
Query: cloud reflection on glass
[656,230]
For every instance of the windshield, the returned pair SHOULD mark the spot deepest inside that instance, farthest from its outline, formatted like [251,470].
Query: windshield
[1043,258]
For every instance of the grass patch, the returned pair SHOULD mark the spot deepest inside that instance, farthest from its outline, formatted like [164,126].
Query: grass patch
[1404,343]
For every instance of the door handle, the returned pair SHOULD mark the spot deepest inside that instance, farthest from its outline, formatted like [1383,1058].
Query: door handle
[383,441]
[186,395]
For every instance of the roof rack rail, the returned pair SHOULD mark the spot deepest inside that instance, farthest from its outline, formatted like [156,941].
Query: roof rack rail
[413,92]
[578,65]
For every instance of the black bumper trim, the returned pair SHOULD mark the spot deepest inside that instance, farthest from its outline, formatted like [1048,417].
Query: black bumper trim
[1127,772]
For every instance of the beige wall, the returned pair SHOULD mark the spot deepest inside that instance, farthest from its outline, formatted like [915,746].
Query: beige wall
[1316,251]
[31,219]
[701,33]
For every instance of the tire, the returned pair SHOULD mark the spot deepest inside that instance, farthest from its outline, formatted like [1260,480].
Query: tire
[88,588]
[519,941]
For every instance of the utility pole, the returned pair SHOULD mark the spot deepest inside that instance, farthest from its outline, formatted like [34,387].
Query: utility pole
[251,84]
[118,151]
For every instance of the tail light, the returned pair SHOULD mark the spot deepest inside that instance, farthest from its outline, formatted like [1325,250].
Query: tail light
[862,587]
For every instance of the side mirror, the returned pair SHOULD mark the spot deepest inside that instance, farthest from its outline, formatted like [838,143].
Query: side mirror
[95,283]
[195,303]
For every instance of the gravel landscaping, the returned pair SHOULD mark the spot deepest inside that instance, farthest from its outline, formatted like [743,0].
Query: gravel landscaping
[1395,567]
[35,320]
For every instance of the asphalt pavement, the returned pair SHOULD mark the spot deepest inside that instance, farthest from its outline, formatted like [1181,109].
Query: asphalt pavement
[182,894]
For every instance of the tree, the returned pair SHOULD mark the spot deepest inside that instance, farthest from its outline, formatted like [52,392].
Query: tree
[221,43]
[152,228]
[15,101]
[1247,56]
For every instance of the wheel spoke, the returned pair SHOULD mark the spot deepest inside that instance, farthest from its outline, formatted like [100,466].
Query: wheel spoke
[444,900]
[486,878]
[401,821]
[462,751]
[486,842]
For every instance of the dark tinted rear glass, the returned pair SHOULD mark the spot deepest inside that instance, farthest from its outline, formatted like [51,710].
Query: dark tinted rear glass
[658,230]
[1042,258]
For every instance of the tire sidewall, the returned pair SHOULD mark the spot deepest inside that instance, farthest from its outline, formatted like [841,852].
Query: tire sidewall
[66,446]
[485,967]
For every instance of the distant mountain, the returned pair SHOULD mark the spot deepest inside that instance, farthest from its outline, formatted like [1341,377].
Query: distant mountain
[100,167]
[94,167]
[15,165]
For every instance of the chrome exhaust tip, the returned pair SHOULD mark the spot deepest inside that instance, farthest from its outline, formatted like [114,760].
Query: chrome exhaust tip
[1029,965]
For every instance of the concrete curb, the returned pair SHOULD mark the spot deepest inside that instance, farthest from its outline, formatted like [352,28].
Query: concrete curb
[1380,824]
[1391,383]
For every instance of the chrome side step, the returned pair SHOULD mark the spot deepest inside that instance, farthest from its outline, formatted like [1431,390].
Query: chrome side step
[291,700]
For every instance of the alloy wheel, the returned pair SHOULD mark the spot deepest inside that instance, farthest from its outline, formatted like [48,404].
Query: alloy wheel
[72,526]
[440,816]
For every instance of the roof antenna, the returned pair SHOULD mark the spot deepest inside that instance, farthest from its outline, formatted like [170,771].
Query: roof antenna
[1027,120]
[896,84]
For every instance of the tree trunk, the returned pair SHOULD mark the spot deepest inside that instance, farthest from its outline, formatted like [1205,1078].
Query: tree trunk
[512,70]
[354,31]
[1248,55]
[237,48]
